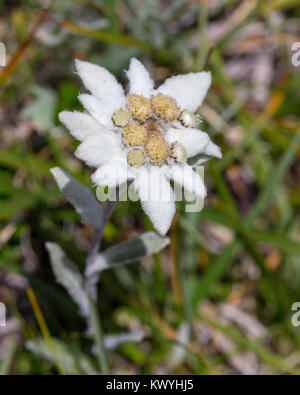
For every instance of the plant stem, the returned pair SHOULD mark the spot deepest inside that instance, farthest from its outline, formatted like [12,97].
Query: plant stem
[98,233]
[91,286]
[180,279]
[185,299]
[91,282]
[101,354]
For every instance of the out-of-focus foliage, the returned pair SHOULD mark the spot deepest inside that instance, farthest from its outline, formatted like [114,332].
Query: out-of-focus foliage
[218,299]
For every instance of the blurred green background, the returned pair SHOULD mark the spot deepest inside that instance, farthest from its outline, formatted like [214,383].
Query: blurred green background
[218,299]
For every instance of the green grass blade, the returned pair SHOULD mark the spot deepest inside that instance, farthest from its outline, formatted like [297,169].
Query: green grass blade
[275,178]
[107,37]
[213,275]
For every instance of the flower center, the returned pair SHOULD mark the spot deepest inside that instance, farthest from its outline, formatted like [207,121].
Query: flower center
[142,129]
[153,128]
[165,107]
[121,117]
[157,150]
[189,119]
[134,135]
[136,158]
[139,107]
[178,152]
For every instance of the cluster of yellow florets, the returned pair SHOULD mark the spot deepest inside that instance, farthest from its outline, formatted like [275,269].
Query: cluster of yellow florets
[157,150]
[136,157]
[153,128]
[143,133]
[139,107]
[134,135]
[165,107]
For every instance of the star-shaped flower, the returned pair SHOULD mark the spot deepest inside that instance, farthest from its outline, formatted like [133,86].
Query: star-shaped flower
[149,136]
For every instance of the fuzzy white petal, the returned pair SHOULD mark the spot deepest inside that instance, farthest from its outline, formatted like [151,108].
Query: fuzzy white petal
[187,178]
[157,197]
[212,150]
[113,174]
[98,110]
[189,90]
[192,139]
[140,82]
[99,149]
[80,124]
[101,83]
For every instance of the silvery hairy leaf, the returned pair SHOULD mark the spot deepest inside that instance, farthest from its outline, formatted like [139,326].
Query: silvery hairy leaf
[111,342]
[178,350]
[68,276]
[70,359]
[129,251]
[80,197]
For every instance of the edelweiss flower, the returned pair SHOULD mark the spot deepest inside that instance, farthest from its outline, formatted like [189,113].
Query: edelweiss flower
[149,136]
